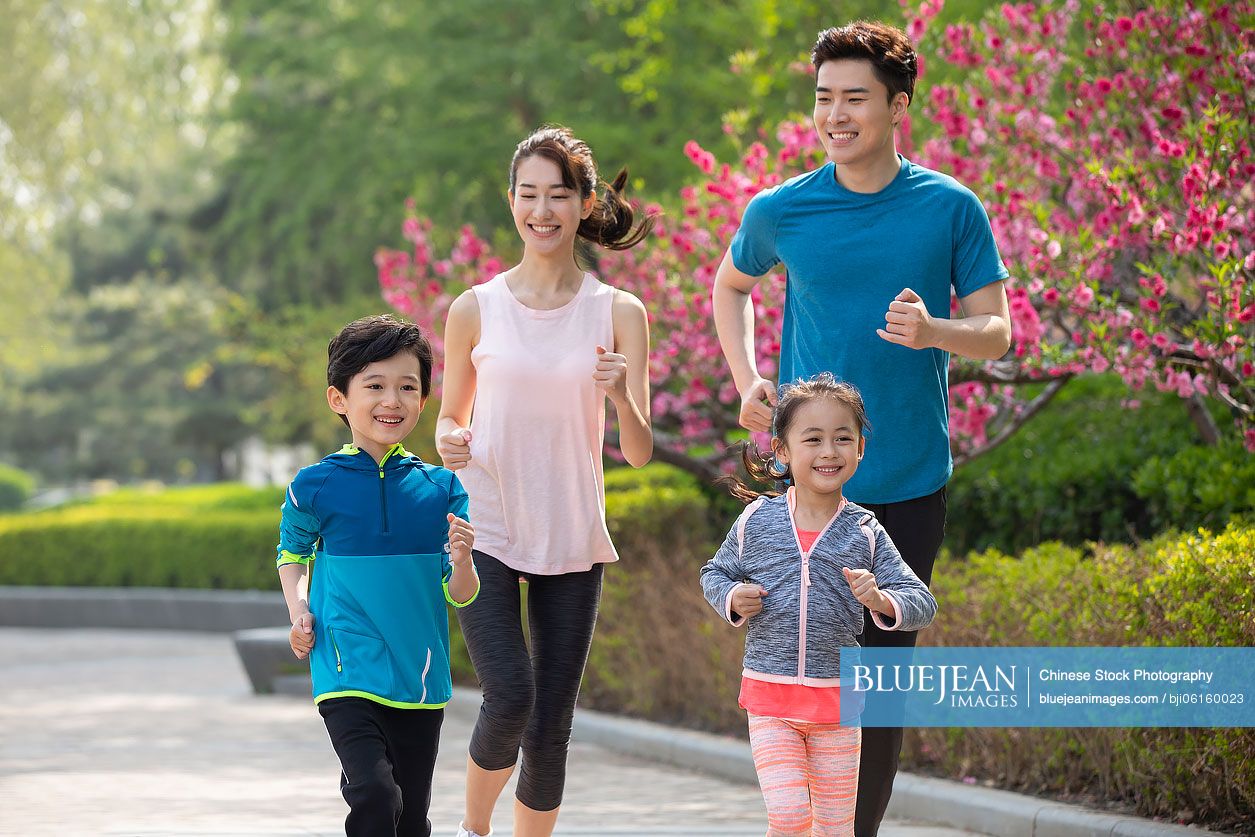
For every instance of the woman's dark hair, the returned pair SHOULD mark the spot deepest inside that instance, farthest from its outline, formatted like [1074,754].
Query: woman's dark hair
[610,223]
[370,339]
[886,48]
[792,397]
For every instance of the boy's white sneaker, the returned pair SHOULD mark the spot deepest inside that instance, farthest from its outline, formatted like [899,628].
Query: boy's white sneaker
[463,831]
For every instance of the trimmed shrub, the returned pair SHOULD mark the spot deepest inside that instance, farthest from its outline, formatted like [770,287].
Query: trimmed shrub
[656,506]
[160,546]
[1177,590]
[15,488]
[226,496]
[1067,475]
[1198,486]
[223,536]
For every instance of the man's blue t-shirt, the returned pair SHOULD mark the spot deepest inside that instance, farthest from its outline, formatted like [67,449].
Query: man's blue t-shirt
[848,254]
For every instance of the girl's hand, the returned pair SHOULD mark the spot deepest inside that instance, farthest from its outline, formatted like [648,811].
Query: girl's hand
[454,448]
[747,600]
[611,374]
[301,637]
[461,539]
[863,585]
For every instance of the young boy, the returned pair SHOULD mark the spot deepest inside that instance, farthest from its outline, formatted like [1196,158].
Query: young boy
[386,533]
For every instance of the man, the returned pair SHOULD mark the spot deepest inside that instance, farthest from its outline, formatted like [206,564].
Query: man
[873,245]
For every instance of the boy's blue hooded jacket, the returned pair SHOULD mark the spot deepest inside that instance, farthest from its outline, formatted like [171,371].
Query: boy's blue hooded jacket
[378,537]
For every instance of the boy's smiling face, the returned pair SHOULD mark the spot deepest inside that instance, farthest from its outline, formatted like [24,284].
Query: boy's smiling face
[383,403]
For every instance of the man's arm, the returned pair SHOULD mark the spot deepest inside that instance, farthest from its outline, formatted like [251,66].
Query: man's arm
[982,333]
[734,323]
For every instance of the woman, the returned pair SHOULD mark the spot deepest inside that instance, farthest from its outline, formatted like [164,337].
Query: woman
[531,357]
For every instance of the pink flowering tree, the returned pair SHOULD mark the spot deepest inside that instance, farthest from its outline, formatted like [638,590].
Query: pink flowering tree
[1113,156]
[1113,151]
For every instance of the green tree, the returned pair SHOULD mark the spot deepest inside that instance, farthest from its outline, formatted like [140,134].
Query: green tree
[345,109]
[94,96]
[146,391]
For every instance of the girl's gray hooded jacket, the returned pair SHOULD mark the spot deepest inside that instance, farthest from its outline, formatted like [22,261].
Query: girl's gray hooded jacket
[809,611]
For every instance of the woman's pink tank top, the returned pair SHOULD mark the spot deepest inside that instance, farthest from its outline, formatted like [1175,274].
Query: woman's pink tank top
[535,481]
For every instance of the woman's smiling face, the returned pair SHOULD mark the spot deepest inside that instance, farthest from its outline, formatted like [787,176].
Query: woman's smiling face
[547,213]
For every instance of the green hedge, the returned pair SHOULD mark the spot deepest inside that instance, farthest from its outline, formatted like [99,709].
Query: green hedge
[1068,474]
[1198,486]
[223,536]
[15,488]
[123,546]
[1176,590]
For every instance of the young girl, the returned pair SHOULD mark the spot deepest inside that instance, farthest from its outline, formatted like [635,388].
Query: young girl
[531,357]
[800,567]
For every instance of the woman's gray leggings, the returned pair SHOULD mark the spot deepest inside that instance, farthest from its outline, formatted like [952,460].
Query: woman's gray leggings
[529,698]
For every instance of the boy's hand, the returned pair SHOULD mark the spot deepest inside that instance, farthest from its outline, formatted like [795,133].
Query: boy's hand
[461,539]
[747,600]
[454,448]
[863,585]
[301,637]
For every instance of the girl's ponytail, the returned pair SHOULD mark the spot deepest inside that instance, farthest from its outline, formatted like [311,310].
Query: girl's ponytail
[758,465]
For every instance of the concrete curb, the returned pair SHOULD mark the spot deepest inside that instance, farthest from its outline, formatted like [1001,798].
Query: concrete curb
[995,812]
[148,608]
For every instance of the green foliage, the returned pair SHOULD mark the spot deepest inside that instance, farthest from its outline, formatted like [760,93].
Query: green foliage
[144,546]
[15,487]
[656,505]
[336,111]
[1068,474]
[1197,486]
[224,496]
[149,389]
[180,537]
[341,118]
[1176,590]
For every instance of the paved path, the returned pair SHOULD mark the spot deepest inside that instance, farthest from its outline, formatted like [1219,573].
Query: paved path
[157,733]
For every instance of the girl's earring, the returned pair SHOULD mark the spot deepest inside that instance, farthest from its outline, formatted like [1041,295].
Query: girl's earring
[777,468]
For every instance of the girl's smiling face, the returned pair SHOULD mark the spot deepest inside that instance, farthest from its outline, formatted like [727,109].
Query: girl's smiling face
[822,446]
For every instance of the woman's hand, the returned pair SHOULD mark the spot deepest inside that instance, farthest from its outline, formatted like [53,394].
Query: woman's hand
[454,448]
[611,374]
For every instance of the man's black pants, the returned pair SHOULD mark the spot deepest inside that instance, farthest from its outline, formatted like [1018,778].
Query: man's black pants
[916,527]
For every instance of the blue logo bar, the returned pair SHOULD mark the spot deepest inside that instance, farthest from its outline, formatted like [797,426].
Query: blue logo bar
[1048,687]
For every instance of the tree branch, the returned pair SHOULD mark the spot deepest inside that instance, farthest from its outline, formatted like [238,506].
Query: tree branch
[1033,408]
[1203,422]
[705,468]
[998,372]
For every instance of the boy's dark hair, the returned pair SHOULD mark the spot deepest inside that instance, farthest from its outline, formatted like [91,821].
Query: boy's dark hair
[792,397]
[887,48]
[370,339]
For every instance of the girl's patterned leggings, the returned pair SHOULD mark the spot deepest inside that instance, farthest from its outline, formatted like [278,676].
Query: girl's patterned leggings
[808,774]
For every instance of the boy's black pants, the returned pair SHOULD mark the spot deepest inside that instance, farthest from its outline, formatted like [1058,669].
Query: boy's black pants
[916,528]
[387,756]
